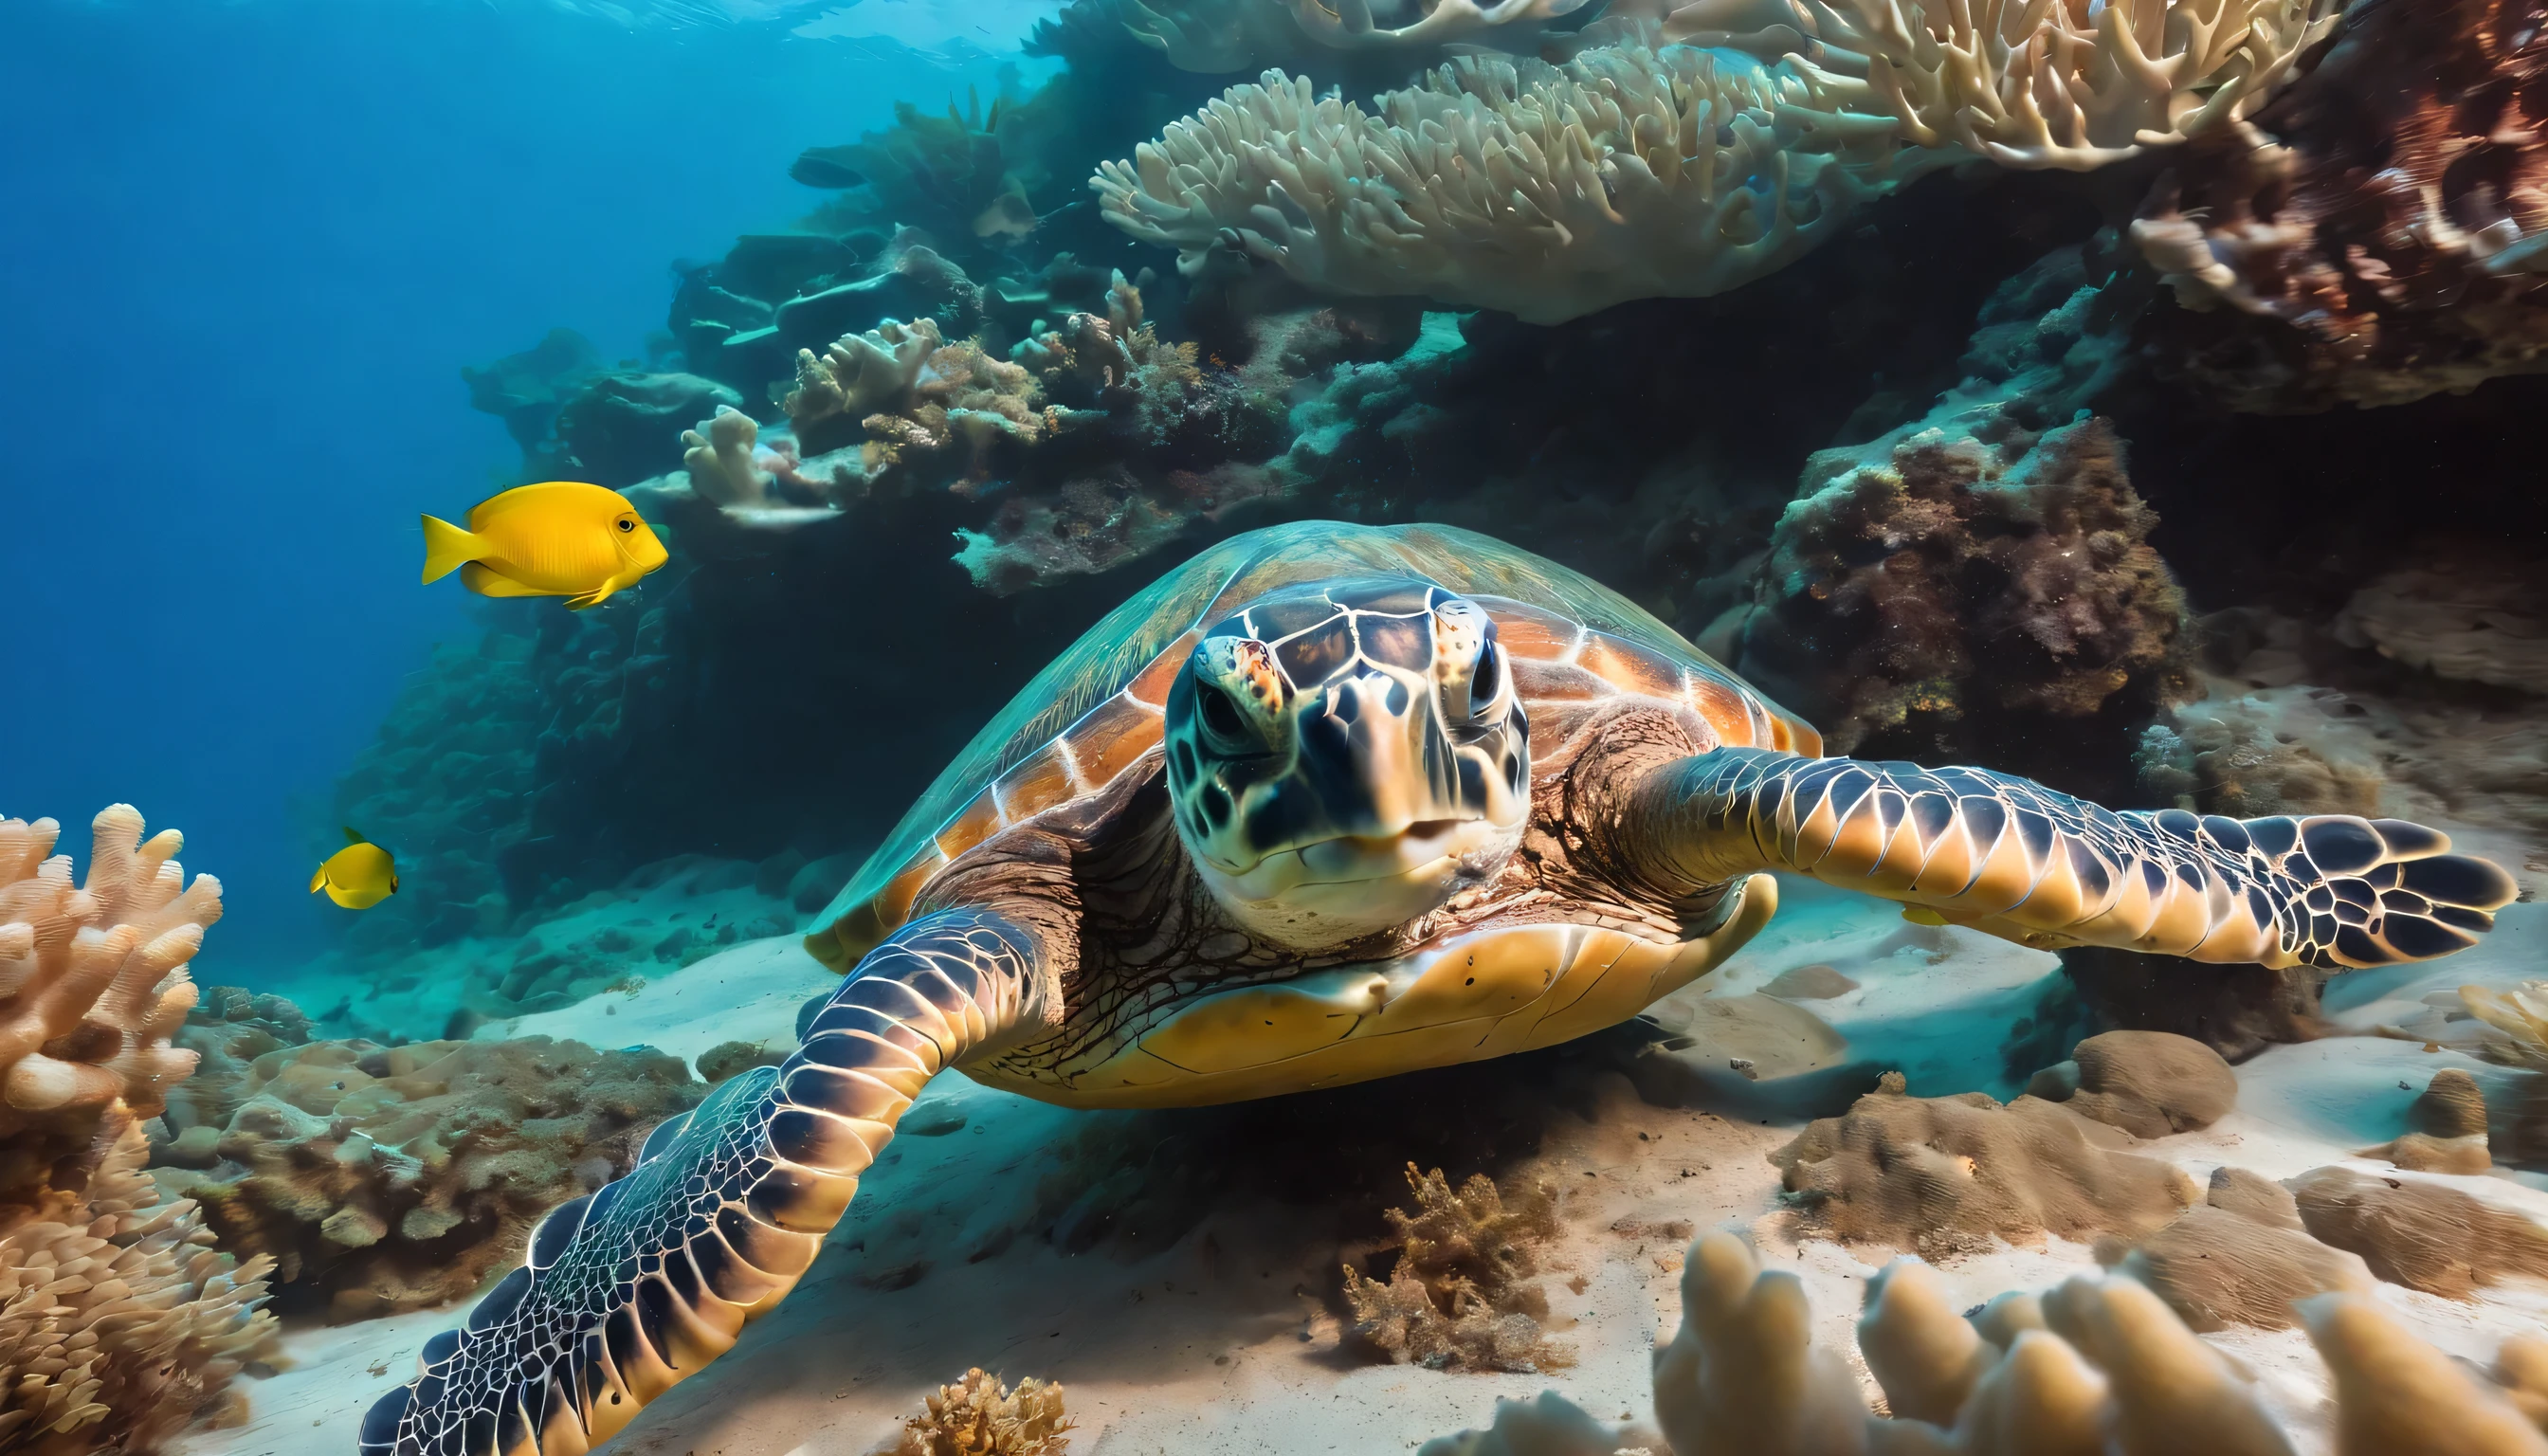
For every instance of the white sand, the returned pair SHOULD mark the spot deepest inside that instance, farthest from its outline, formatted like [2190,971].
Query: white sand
[1222,1343]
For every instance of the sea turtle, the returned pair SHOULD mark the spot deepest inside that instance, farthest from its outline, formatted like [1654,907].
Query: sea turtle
[1327,803]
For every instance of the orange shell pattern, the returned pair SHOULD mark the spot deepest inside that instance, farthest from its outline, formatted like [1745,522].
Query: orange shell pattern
[1097,709]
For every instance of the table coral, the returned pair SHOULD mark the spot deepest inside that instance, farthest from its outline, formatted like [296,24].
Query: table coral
[2380,231]
[388,1178]
[93,984]
[119,1324]
[2093,1365]
[1547,192]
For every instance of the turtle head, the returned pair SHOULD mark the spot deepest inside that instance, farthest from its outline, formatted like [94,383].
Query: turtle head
[1347,755]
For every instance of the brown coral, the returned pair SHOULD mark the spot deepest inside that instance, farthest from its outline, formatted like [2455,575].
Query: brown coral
[93,983]
[390,1178]
[2148,1083]
[119,1323]
[2242,1258]
[979,1416]
[1947,1175]
[2376,234]
[2423,1235]
[1955,575]
[1459,1295]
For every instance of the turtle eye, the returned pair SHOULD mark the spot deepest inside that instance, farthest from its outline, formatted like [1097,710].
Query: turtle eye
[1220,717]
[1487,679]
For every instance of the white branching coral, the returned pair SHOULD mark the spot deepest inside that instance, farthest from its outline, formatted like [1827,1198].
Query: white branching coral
[1548,192]
[2064,84]
[93,983]
[718,455]
[119,1323]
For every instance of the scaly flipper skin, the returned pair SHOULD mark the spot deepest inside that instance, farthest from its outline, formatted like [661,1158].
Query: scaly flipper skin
[633,1288]
[2022,861]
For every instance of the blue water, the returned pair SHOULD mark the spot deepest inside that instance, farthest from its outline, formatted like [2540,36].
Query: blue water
[247,251]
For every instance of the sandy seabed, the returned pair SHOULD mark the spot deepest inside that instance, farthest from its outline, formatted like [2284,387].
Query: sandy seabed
[1225,1341]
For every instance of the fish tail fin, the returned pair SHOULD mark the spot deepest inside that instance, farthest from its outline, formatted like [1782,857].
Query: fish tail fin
[318,877]
[446,546]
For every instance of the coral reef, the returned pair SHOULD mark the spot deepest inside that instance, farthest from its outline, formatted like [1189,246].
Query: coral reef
[954,177]
[1948,1175]
[2093,1365]
[1459,1295]
[2013,576]
[2422,1235]
[1546,191]
[621,426]
[979,1416]
[388,1178]
[2374,235]
[1219,37]
[2060,86]
[93,985]
[119,1324]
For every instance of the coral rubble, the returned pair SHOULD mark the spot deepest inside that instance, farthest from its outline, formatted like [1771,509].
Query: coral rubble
[2376,234]
[388,1178]
[93,985]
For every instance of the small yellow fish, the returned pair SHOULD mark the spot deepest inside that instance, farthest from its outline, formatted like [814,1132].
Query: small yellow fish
[555,539]
[1922,915]
[357,877]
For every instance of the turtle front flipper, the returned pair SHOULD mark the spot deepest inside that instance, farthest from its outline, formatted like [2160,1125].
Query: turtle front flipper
[633,1288]
[2022,861]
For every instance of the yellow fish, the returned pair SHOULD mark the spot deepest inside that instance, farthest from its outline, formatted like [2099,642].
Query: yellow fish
[556,539]
[357,877]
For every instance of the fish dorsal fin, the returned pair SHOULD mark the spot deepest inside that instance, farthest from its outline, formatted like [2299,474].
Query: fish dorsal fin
[351,837]
[318,877]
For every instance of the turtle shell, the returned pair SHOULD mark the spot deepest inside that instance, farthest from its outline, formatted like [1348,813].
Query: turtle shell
[1097,709]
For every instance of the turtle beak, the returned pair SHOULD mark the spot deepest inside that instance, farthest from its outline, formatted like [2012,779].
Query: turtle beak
[1370,754]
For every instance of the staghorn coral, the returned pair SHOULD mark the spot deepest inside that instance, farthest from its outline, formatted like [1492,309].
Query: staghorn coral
[2094,1365]
[119,1323]
[388,1178]
[2379,232]
[93,984]
[1459,1295]
[1548,192]
[2068,85]
[1948,1175]
[2422,1235]
[980,1416]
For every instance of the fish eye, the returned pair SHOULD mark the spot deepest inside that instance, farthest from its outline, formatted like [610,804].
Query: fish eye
[1487,679]
[627,523]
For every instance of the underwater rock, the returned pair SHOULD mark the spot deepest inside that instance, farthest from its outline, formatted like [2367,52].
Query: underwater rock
[2422,1234]
[119,1327]
[623,427]
[97,985]
[954,177]
[1459,1295]
[390,1178]
[527,388]
[2148,1083]
[916,284]
[2375,236]
[2462,608]
[2447,1129]
[1980,574]
[2241,1257]
[979,1415]
[2093,1365]
[2235,1010]
[1948,1175]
